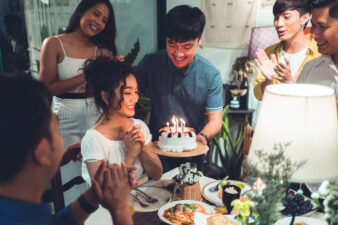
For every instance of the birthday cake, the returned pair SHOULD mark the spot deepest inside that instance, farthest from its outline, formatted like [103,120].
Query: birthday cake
[174,139]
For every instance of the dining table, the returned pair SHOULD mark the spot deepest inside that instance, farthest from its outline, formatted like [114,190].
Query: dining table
[102,216]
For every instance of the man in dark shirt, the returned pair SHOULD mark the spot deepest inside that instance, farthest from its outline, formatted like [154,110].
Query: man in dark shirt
[31,152]
[182,83]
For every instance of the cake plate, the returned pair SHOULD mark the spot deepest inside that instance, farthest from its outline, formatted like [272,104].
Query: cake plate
[199,150]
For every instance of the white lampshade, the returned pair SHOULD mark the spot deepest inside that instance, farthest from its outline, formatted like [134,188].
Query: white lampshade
[306,116]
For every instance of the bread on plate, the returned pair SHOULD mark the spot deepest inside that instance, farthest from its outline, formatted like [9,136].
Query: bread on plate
[219,219]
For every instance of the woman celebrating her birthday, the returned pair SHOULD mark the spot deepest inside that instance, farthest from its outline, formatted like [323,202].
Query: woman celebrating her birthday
[116,137]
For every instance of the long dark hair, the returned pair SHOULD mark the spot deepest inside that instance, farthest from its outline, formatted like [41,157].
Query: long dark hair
[106,38]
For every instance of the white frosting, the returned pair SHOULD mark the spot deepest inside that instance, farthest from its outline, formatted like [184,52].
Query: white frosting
[176,143]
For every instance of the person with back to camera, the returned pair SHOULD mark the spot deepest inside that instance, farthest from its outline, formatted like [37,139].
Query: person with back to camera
[287,57]
[183,83]
[91,32]
[29,164]
[116,137]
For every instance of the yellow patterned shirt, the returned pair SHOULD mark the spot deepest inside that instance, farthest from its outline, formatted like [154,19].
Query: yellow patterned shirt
[311,53]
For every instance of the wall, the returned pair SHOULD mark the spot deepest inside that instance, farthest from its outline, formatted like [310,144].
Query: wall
[224,58]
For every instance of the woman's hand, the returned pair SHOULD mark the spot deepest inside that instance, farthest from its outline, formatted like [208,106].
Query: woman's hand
[283,72]
[266,65]
[134,141]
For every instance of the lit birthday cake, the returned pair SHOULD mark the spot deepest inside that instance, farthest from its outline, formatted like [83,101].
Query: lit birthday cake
[177,138]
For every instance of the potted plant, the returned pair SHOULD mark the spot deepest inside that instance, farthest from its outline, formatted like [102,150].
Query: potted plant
[229,147]
[243,69]
[187,182]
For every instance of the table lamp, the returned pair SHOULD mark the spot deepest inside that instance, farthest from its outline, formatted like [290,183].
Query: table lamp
[304,115]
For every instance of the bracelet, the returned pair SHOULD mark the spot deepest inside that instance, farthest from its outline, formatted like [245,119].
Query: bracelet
[205,136]
[86,206]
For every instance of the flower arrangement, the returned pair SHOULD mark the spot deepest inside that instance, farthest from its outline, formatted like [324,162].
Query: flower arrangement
[243,68]
[188,174]
[245,216]
[329,191]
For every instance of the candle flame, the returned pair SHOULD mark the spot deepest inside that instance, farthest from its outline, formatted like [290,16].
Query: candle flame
[259,184]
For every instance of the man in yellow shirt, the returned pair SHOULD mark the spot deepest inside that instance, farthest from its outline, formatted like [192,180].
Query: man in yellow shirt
[288,57]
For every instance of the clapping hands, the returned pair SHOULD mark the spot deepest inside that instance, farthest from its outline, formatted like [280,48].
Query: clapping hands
[272,69]
[134,140]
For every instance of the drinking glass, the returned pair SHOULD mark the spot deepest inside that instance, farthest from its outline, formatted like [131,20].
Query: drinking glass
[230,192]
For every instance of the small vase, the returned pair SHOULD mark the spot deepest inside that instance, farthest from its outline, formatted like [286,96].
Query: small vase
[234,103]
[187,192]
[244,97]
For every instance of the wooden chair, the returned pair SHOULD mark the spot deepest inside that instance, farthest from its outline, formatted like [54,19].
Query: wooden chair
[248,133]
[55,193]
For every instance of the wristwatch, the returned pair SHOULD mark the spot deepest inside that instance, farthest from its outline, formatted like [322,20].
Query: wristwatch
[205,136]
[86,206]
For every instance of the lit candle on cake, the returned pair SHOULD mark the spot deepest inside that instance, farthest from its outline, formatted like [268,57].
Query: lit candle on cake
[182,124]
[174,122]
[168,126]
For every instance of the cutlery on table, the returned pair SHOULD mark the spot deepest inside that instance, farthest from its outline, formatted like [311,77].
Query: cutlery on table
[139,201]
[216,187]
[148,198]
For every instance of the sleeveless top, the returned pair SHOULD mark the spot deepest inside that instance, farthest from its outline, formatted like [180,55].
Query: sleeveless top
[70,67]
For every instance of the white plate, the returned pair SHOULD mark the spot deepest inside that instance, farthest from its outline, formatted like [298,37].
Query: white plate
[213,196]
[298,219]
[207,207]
[163,196]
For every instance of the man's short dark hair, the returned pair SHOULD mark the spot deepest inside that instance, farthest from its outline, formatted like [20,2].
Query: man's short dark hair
[332,4]
[184,23]
[25,119]
[281,6]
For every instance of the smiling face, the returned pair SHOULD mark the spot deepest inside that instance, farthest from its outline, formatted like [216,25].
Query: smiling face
[289,24]
[325,31]
[182,53]
[130,97]
[94,20]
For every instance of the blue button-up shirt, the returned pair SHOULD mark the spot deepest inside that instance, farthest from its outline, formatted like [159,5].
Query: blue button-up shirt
[188,93]
[14,212]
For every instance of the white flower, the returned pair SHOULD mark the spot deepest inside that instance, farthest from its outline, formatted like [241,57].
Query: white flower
[314,195]
[323,189]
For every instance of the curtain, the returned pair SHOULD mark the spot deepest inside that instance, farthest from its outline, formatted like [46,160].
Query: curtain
[45,18]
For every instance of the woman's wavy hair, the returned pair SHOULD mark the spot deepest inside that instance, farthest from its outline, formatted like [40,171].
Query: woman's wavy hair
[106,38]
[105,74]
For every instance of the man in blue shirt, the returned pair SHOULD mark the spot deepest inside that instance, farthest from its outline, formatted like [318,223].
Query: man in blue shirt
[31,152]
[182,83]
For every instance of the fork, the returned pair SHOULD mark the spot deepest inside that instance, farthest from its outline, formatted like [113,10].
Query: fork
[148,198]
[215,188]
[139,201]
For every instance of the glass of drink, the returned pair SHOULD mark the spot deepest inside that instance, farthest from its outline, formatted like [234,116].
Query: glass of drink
[230,192]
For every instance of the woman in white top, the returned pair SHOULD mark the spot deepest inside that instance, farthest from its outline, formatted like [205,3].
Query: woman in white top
[91,32]
[116,137]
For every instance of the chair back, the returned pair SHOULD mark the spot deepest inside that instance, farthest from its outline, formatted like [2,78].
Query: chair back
[262,37]
[55,193]
[248,133]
